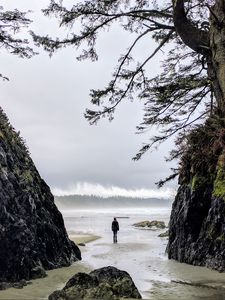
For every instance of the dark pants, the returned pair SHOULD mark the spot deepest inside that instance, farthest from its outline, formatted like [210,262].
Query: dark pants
[114,236]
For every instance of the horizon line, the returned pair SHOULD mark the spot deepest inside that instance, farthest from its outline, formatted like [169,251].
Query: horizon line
[99,190]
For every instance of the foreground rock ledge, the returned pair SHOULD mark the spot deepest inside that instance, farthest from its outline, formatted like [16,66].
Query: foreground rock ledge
[104,283]
[32,232]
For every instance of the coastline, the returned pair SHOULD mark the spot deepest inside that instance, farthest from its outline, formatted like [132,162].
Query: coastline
[41,288]
[139,252]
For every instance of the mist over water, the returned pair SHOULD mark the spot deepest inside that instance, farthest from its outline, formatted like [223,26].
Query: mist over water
[106,191]
[115,202]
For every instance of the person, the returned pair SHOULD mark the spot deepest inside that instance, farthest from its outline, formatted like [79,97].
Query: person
[115,228]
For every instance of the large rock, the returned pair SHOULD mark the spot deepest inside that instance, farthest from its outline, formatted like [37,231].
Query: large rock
[104,283]
[150,224]
[197,229]
[32,231]
[197,223]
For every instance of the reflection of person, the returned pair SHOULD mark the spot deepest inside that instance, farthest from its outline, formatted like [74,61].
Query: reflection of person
[115,228]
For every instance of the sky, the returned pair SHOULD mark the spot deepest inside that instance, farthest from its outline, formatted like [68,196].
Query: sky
[45,100]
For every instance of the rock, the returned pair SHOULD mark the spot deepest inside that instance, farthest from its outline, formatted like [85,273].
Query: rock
[81,244]
[164,234]
[104,283]
[151,224]
[32,231]
[5,285]
[38,272]
[197,222]
[20,284]
[16,285]
[197,228]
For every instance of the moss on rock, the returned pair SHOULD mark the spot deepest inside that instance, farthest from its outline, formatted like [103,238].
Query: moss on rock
[198,181]
[219,183]
[108,283]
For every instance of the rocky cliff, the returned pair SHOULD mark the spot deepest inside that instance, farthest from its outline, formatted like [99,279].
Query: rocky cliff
[32,231]
[197,224]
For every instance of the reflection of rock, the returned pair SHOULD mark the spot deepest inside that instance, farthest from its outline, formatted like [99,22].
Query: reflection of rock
[104,283]
[151,224]
[164,234]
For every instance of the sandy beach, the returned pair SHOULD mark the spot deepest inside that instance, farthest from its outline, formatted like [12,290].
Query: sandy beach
[140,252]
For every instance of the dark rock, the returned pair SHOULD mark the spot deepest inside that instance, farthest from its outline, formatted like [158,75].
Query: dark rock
[16,285]
[20,284]
[38,272]
[164,234]
[32,231]
[5,285]
[81,244]
[104,283]
[151,224]
[197,228]
[197,222]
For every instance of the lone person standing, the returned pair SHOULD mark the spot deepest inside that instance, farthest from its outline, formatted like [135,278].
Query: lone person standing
[115,228]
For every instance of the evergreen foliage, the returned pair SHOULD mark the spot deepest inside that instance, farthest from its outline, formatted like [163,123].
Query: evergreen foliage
[174,100]
[11,23]
[178,100]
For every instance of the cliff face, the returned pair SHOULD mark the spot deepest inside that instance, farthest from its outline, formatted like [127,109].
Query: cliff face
[197,224]
[32,231]
[197,229]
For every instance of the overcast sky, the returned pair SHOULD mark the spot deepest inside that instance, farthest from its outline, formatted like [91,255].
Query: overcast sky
[45,100]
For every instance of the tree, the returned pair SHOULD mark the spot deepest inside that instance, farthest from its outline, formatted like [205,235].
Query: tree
[189,89]
[11,23]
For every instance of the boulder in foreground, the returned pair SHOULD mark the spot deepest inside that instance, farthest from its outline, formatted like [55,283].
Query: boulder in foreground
[104,283]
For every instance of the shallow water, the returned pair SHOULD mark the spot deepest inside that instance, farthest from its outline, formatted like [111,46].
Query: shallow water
[141,253]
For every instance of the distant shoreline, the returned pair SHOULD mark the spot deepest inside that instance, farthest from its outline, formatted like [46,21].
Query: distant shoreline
[90,202]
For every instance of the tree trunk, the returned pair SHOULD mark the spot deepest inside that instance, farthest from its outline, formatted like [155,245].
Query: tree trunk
[193,37]
[217,45]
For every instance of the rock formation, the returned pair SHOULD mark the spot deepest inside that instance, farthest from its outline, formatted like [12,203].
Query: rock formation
[197,224]
[164,234]
[32,231]
[150,224]
[104,283]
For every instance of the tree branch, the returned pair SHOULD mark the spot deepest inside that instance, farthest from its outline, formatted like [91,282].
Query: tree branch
[195,38]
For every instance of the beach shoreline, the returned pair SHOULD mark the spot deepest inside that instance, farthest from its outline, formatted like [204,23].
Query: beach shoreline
[139,252]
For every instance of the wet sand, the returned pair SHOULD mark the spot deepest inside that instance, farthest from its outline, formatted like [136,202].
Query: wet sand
[139,252]
[156,277]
